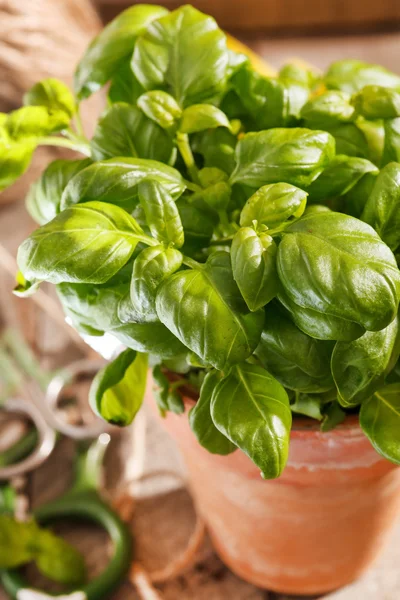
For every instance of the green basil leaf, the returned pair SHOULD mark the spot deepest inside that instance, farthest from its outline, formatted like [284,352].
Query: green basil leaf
[117,391]
[333,415]
[352,75]
[269,102]
[98,309]
[116,181]
[124,85]
[58,560]
[33,122]
[55,96]
[161,107]
[150,269]
[198,225]
[349,140]
[300,74]
[295,156]
[394,375]
[377,102]
[359,367]
[391,150]
[374,133]
[339,177]
[161,212]
[216,196]
[87,243]
[327,110]
[308,405]
[337,261]
[201,422]
[380,421]
[15,158]
[356,198]
[382,209]
[320,326]
[217,147]
[17,545]
[165,57]
[168,400]
[125,131]
[212,319]
[254,267]
[202,116]
[295,359]
[44,196]
[273,204]
[252,410]
[112,47]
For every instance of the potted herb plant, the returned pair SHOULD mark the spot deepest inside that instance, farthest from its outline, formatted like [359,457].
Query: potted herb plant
[238,233]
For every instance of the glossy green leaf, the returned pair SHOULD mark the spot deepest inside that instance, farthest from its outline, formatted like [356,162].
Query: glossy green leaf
[199,117]
[124,86]
[116,181]
[320,326]
[112,47]
[333,415]
[161,107]
[87,243]
[44,196]
[165,57]
[380,421]
[59,561]
[161,212]
[298,361]
[95,310]
[327,110]
[352,75]
[382,209]
[125,131]
[217,147]
[15,158]
[16,542]
[167,398]
[269,102]
[33,122]
[117,391]
[342,269]
[356,198]
[359,367]
[252,410]
[377,102]
[204,309]
[374,133]
[391,150]
[273,204]
[254,267]
[339,177]
[308,405]
[350,141]
[150,269]
[201,421]
[295,156]
[198,224]
[55,96]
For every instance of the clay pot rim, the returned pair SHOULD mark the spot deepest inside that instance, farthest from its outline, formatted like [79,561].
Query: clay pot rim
[300,426]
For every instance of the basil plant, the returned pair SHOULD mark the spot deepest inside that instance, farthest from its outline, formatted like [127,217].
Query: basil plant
[238,233]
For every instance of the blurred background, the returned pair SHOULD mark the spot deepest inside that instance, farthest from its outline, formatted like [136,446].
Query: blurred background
[42,38]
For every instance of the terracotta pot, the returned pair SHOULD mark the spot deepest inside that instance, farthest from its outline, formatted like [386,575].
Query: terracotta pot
[313,530]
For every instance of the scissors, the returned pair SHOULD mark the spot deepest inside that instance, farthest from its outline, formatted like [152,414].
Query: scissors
[83,500]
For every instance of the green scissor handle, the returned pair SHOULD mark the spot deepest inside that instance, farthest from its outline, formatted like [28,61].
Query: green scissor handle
[84,502]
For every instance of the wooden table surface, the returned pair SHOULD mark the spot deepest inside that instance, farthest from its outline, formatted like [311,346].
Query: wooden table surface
[156,518]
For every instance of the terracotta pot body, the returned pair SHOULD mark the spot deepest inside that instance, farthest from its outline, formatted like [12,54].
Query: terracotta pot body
[313,530]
